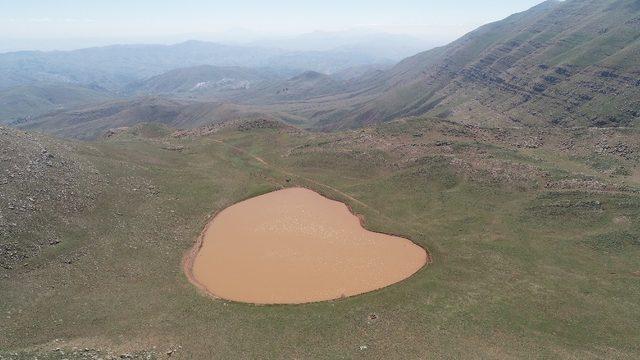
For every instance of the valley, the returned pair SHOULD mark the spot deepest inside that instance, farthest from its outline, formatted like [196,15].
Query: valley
[204,200]
[545,237]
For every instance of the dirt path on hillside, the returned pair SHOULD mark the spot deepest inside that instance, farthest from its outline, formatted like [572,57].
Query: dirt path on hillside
[312,181]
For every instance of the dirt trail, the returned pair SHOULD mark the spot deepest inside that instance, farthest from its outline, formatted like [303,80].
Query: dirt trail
[312,181]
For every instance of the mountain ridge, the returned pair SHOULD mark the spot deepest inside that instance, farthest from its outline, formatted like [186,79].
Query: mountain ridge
[115,66]
[572,63]
[530,60]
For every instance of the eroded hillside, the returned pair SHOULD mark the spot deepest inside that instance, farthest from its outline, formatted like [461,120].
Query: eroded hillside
[570,63]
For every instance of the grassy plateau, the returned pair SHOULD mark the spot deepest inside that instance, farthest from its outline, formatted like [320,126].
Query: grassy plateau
[536,252]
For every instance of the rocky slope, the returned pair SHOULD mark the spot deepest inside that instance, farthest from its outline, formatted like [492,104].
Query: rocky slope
[43,185]
[570,63]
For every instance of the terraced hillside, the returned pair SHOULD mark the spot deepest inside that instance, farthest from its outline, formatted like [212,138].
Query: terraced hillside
[567,63]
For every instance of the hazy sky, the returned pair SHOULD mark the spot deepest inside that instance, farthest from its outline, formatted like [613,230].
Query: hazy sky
[446,19]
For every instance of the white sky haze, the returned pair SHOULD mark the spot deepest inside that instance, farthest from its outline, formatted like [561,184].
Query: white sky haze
[68,21]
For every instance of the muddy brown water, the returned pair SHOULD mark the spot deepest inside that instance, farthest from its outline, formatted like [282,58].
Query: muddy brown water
[295,246]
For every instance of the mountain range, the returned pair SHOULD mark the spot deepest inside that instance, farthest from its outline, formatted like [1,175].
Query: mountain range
[114,67]
[569,63]
[562,63]
[511,156]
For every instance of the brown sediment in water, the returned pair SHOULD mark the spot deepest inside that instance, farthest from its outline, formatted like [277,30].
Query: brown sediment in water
[295,246]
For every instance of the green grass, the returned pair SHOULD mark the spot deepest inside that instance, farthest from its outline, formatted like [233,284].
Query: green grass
[614,241]
[516,274]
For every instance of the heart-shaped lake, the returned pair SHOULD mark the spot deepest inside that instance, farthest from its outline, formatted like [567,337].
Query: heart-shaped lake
[296,246]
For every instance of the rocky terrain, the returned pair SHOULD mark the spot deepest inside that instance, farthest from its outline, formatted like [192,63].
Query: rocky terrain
[45,184]
[608,157]
[560,64]
[94,235]
[512,155]
[569,63]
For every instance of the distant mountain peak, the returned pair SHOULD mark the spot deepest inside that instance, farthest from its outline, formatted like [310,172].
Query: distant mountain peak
[310,75]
